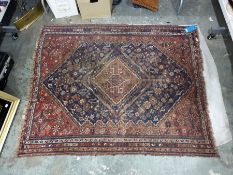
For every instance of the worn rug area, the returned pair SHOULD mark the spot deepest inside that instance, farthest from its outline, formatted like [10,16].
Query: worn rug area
[117,89]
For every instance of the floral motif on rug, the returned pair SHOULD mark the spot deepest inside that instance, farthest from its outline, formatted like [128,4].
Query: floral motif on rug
[116,89]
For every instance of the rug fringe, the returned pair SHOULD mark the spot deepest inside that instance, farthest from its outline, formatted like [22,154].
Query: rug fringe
[28,95]
[205,99]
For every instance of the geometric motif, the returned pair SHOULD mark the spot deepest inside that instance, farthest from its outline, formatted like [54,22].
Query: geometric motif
[117,89]
[116,81]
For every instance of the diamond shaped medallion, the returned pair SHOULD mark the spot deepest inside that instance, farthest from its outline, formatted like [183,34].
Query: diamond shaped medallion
[116,80]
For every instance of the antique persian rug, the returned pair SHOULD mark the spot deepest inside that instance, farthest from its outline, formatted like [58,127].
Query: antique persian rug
[117,89]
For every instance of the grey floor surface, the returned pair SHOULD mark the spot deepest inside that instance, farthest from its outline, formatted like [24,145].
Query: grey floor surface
[205,13]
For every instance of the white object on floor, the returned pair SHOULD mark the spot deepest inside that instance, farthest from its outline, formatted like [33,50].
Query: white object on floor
[63,8]
[217,111]
[211,172]
[227,15]
[181,3]
[210,19]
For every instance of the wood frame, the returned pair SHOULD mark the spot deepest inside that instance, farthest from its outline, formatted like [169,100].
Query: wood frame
[14,102]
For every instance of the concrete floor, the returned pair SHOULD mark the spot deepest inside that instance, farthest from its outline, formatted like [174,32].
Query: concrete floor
[193,12]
